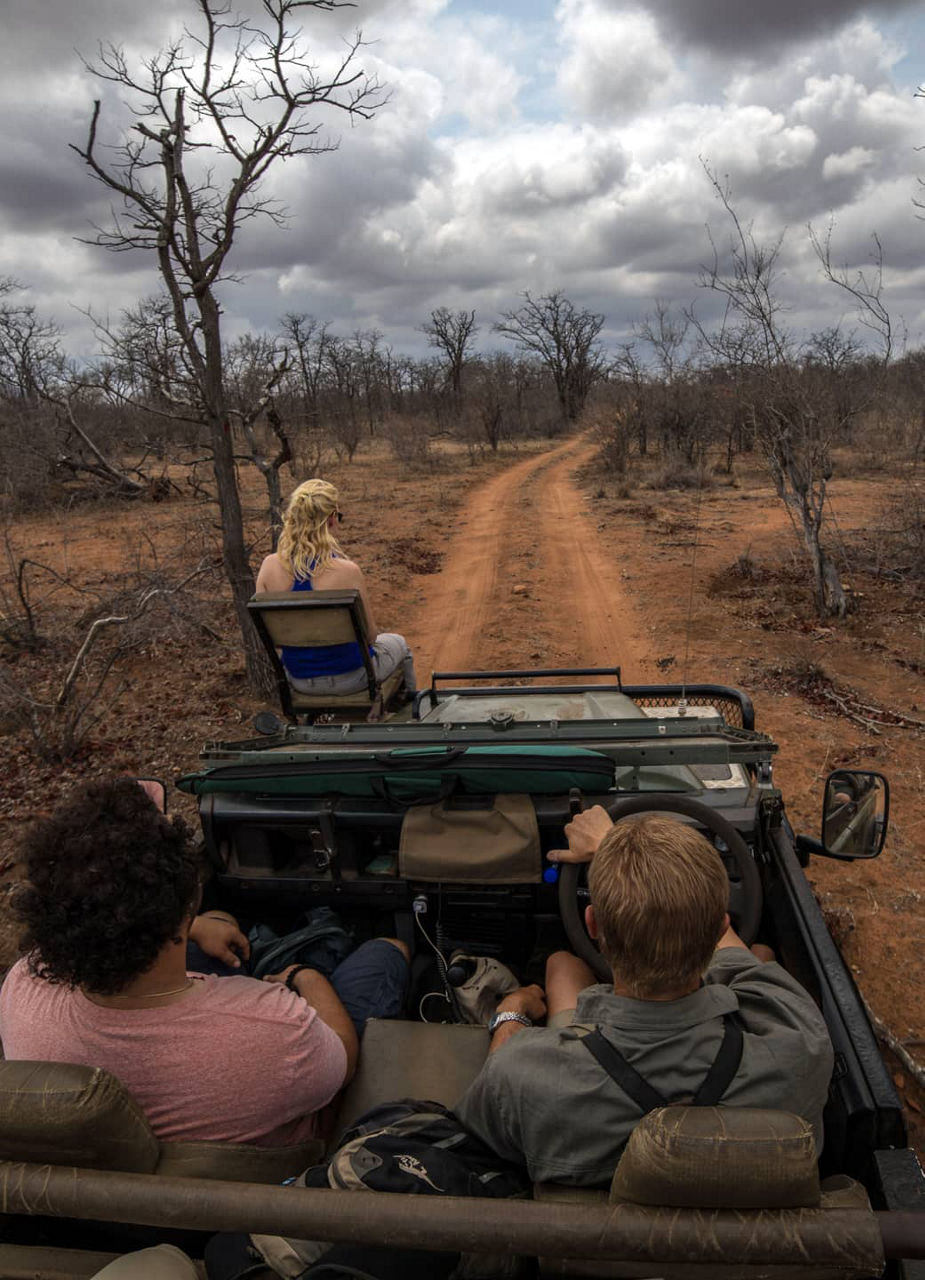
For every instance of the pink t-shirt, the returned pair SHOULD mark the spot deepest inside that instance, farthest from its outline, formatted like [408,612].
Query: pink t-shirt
[236,1060]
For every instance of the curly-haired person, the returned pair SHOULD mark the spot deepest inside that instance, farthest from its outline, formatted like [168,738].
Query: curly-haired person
[110,902]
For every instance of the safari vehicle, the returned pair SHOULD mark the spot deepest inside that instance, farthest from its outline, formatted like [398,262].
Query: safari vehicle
[405,824]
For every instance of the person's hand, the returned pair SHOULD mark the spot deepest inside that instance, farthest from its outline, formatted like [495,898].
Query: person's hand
[282,975]
[584,833]
[527,1000]
[219,937]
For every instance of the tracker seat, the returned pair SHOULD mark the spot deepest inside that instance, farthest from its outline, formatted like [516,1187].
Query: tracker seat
[316,619]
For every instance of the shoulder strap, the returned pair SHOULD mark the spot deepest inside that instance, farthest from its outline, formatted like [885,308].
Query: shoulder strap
[725,1065]
[715,1082]
[620,1071]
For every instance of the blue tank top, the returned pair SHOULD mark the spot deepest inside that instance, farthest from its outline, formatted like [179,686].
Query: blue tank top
[323,660]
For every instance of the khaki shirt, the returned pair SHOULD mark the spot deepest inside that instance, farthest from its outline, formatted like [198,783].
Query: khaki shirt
[544,1100]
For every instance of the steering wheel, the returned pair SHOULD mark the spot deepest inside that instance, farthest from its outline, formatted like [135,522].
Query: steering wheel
[745,895]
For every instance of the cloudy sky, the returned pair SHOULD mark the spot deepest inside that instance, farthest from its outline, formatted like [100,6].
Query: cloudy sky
[527,144]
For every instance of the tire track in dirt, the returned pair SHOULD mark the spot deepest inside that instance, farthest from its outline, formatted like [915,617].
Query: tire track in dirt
[524,582]
[592,602]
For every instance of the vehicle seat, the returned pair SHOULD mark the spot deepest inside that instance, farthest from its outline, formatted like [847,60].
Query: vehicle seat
[63,1114]
[432,1061]
[312,619]
[687,1167]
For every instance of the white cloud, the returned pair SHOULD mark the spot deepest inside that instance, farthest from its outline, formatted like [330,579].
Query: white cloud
[559,151]
[848,164]
[615,63]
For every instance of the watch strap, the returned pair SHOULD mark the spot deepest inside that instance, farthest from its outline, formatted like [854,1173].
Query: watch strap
[508,1015]
[294,973]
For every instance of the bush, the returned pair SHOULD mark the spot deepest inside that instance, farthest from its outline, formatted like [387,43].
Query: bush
[679,475]
[409,441]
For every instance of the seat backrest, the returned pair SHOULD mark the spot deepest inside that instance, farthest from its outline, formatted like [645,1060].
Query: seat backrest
[311,619]
[719,1158]
[65,1114]
[687,1171]
[60,1113]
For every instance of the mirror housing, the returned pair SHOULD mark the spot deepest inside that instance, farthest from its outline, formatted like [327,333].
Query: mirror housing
[155,790]
[855,812]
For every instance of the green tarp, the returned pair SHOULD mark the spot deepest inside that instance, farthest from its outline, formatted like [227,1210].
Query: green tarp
[408,775]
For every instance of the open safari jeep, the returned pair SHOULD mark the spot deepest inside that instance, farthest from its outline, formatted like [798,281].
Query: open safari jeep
[433,826]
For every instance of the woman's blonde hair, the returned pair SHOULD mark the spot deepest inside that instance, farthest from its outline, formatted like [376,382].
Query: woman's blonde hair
[306,543]
[660,893]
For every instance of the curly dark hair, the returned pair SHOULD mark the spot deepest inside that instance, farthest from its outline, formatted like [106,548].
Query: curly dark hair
[110,879]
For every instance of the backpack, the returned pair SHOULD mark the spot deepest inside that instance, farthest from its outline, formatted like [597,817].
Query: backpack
[322,942]
[417,1148]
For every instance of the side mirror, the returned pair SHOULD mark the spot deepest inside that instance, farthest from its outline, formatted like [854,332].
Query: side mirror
[855,812]
[155,790]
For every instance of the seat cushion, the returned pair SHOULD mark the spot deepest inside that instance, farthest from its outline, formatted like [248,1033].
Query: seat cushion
[422,1060]
[315,701]
[59,1113]
[237,1161]
[719,1157]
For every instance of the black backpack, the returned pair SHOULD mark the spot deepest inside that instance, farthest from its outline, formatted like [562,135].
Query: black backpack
[417,1148]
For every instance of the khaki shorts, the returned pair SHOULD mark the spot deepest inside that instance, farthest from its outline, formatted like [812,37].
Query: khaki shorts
[564,1018]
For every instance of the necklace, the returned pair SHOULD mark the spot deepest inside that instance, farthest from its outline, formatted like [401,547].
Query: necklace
[153,995]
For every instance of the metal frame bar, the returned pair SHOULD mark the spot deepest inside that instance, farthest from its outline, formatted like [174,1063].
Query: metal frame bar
[537,1228]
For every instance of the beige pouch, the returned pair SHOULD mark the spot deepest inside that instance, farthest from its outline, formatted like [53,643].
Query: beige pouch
[467,845]
[490,981]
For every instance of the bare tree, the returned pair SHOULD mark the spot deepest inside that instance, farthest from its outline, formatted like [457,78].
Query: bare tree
[564,339]
[307,338]
[676,405]
[864,288]
[793,426]
[47,394]
[343,368]
[213,112]
[452,332]
[256,367]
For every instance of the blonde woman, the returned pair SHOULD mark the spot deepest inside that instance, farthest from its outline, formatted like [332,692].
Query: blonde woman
[309,558]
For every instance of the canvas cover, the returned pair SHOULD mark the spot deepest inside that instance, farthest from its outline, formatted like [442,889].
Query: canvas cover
[415,775]
[455,844]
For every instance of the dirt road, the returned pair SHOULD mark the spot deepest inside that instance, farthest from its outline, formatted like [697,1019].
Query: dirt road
[525,582]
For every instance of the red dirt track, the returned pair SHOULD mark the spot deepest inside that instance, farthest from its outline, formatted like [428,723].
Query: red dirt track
[525,546]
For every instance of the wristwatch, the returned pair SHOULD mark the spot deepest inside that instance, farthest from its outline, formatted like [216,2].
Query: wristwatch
[498,1019]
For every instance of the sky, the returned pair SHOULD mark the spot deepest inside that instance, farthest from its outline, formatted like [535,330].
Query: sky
[525,145]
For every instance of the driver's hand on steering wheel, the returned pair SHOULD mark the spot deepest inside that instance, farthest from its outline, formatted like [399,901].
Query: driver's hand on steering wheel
[584,833]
